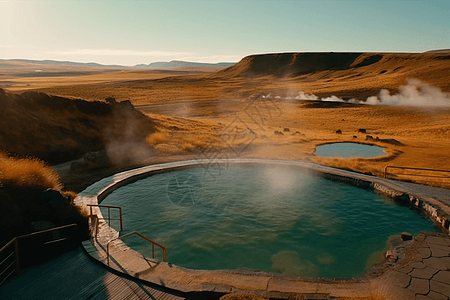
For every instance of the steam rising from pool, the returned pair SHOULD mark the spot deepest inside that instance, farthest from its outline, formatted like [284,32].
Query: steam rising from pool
[280,179]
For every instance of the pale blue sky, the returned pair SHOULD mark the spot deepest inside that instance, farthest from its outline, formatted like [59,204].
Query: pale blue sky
[133,32]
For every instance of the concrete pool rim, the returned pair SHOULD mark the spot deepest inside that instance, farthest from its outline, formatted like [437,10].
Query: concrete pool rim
[237,279]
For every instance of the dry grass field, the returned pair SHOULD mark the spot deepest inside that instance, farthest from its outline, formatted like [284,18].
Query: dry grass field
[199,110]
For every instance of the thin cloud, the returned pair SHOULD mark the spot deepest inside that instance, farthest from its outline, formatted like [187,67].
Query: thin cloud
[212,58]
[115,52]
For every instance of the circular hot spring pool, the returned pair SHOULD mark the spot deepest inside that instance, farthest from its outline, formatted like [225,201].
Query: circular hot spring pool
[274,219]
[349,150]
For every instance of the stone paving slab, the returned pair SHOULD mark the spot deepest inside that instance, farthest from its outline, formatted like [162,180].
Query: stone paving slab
[446,261]
[424,252]
[436,241]
[440,288]
[419,286]
[429,278]
[436,296]
[435,262]
[426,273]
[442,276]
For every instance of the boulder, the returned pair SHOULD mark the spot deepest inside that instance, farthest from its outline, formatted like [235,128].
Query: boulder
[98,159]
[355,137]
[111,100]
[406,236]
[362,130]
[286,129]
[392,142]
[391,255]
[126,104]
[339,131]
[369,137]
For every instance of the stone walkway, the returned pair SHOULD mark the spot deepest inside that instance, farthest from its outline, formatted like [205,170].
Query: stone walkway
[427,274]
[434,192]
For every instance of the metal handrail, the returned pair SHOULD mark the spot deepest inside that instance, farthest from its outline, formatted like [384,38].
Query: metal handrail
[94,225]
[15,241]
[109,213]
[386,173]
[142,236]
[15,262]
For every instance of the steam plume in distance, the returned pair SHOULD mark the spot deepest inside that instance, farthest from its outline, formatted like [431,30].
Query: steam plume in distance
[414,93]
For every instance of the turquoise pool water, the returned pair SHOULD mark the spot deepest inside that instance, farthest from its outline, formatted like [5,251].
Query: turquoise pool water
[274,219]
[349,150]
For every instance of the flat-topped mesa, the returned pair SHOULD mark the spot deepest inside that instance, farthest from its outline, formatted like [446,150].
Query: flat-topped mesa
[300,63]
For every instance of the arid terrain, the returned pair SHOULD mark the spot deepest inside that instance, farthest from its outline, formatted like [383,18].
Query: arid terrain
[273,105]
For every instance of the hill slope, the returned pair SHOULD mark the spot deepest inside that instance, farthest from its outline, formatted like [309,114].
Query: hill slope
[391,68]
[58,129]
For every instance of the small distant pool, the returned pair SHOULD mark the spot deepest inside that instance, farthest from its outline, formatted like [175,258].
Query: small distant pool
[267,218]
[349,150]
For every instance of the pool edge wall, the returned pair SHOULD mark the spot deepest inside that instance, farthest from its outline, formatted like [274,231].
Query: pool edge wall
[433,209]
[224,280]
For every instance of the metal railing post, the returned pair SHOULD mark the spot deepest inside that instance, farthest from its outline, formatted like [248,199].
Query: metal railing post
[63,236]
[16,250]
[109,214]
[142,236]
[121,222]
[107,253]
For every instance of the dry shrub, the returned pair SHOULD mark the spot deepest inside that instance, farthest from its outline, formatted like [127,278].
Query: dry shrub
[28,172]
[187,147]
[167,148]
[202,141]
[157,138]
[70,195]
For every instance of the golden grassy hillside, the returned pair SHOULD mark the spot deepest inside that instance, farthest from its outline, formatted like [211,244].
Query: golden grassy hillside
[22,172]
[346,75]
[202,105]
[57,129]
[22,185]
